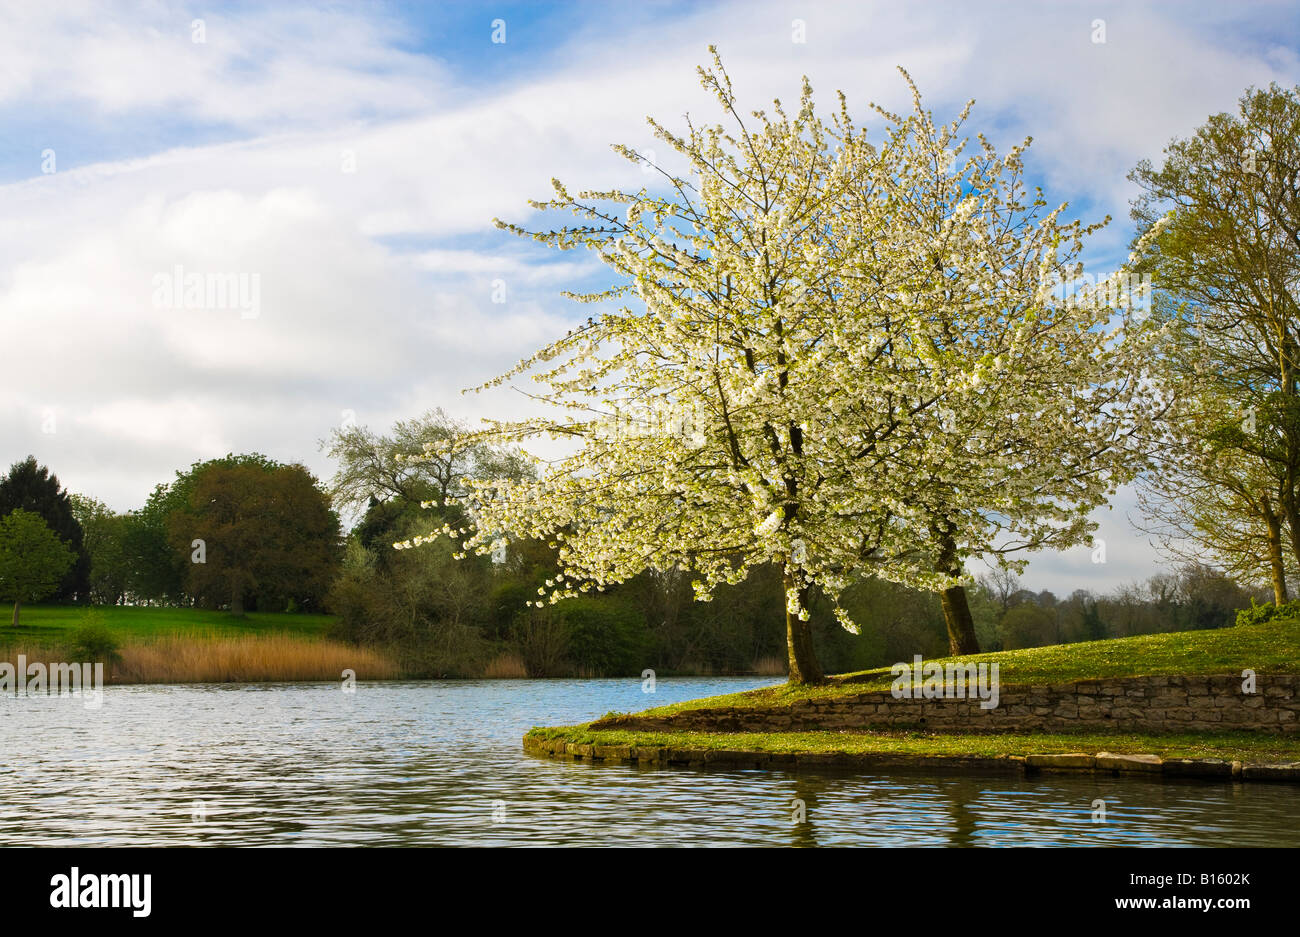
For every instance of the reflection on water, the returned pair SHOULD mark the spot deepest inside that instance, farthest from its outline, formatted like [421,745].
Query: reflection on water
[440,762]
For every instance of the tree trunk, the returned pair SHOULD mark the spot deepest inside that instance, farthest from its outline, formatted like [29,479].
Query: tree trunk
[956,607]
[961,626]
[798,636]
[1292,512]
[237,602]
[1276,565]
[16,604]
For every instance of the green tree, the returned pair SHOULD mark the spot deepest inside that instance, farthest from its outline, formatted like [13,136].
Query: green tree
[33,560]
[420,460]
[1227,267]
[155,571]
[105,541]
[159,568]
[253,531]
[29,486]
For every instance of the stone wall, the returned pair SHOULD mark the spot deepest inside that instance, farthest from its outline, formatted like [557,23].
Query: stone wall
[1157,704]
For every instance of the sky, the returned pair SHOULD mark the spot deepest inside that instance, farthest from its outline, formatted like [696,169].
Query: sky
[338,167]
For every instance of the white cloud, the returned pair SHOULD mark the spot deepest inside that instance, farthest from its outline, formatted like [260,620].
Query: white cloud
[264,69]
[375,283]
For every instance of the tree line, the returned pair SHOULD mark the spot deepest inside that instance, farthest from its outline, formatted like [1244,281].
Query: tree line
[446,616]
[239,532]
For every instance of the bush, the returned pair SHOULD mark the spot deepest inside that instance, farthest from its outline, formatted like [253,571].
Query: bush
[1259,614]
[92,641]
[539,637]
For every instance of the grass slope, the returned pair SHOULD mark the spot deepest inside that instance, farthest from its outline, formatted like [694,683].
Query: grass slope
[53,624]
[189,645]
[1273,647]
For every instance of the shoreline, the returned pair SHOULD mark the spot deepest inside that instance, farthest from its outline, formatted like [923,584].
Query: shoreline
[216,659]
[578,743]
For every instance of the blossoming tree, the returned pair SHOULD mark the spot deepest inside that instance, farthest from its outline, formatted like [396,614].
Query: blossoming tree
[1041,378]
[837,357]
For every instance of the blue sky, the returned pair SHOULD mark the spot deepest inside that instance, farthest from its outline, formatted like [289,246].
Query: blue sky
[232,155]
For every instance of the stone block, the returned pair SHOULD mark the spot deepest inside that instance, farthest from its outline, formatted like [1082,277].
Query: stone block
[1074,761]
[1253,771]
[1128,764]
[1197,768]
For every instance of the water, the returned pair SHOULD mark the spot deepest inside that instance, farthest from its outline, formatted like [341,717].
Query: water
[416,763]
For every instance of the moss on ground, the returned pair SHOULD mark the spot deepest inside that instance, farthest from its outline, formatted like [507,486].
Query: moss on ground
[1229,746]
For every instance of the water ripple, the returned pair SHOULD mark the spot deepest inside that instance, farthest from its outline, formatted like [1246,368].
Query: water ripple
[440,763]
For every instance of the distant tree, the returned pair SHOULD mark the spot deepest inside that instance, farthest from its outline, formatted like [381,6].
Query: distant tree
[1094,628]
[1001,583]
[383,523]
[156,572]
[1207,598]
[105,541]
[30,487]
[33,559]
[159,567]
[987,611]
[425,604]
[256,531]
[420,460]
[1027,625]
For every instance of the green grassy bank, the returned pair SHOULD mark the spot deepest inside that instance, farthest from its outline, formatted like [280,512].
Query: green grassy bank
[1268,648]
[188,645]
[1272,647]
[44,624]
[1228,746]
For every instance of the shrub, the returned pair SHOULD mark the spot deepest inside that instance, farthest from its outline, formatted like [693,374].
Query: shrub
[92,641]
[1259,614]
[539,637]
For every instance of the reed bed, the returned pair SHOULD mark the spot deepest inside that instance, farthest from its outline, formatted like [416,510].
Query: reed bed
[770,667]
[246,659]
[35,654]
[506,667]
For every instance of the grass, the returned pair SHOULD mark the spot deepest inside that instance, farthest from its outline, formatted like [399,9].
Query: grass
[45,624]
[1272,647]
[190,645]
[1229,746]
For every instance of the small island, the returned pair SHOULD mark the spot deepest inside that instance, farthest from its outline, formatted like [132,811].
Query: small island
[1212,704]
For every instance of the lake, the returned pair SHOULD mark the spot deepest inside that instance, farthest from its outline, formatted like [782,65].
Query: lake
[440,763]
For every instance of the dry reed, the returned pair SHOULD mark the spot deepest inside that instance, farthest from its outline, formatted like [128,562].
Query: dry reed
[770,667]
[506,667]
[247,659]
